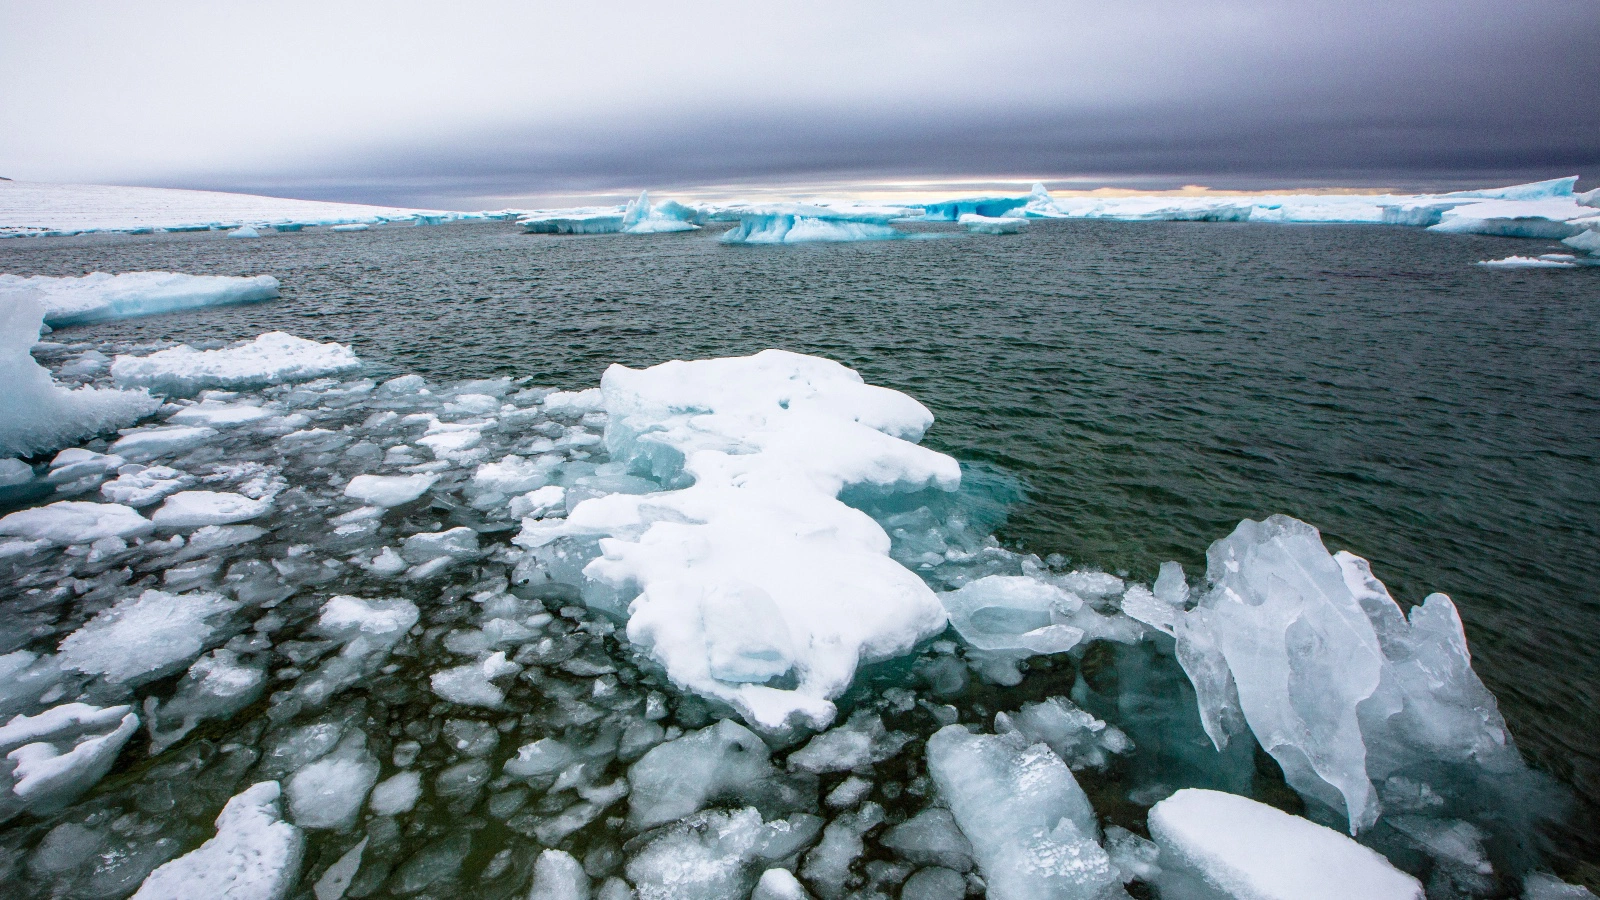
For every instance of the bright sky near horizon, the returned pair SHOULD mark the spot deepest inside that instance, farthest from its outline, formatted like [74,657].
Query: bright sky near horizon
[420,104]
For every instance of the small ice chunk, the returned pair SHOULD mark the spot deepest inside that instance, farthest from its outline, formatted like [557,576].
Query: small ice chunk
[537,504]
[1527,262]
[546,756]
[456,543]
[1171,588]
[146,637]
[862,741]
[1539,886]
[1240,848]
[161,440]
[397,794]
[255,855]
[14,472]
[931,838]
[329,793]
[75,522]
[215,687]
[139,486]
[682,776]
[272,358]
[336,880]
[352,226]
[779,884]
[715,855]
[388,490]
[573,403]
[827,865]
[1013,613]
[977,224]
[193,509]
[558,876]
[1080,739]
[850,791]
[473,684]
[934,883]
[57,755]
[244,231]
[1031,826]
[217,414]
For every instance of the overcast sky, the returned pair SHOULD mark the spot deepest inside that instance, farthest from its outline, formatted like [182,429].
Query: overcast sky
[479,104]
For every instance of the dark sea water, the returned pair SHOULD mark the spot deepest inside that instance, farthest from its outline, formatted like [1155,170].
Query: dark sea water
[1150,384]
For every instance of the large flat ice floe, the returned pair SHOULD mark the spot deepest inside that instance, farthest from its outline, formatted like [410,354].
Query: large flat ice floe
[33,208]
[751,581]
[36,413]
[1222,845]
[272,358]
[100,296]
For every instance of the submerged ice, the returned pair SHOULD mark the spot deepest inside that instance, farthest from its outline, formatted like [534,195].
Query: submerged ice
[718,628]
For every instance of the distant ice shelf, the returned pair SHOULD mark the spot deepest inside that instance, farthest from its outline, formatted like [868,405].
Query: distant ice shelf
[48,210]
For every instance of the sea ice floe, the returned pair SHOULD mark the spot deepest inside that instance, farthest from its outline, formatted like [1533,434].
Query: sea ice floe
[54,757]
[978,224]
[194,509]
[255,855]
[1033,833]
[388,490]
[722,762]
[218,414]
[146,637]
[38,415]
[1531,262]
[100,296]
[161,440]
[272,358]
[139,486]
[75,522]
[1223,845]
[757,571]
[218,685]
[330,792]
[1310,653]
[715,855]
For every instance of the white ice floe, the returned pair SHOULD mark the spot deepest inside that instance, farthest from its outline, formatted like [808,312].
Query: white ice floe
[75,522]
[1310,653]
[473,684]
[244,231]
[101,296]
[1080,739]
[329,793]
[38,415]
[218,685]
[1530,262]
[715,855]
[397,794]
[161,440]
[218,414]
[1033,833]
[1223,845]
[557,875]
[194,509]
[977,224]
[388,490]
[255,855]
[54,757]
[272,358]
[145,637]
[756,570]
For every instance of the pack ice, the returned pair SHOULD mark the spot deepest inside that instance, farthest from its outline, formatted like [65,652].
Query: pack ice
[183,371]
[750,581]
[99,296]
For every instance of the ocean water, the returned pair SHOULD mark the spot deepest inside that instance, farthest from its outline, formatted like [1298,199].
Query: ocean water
[1144,385]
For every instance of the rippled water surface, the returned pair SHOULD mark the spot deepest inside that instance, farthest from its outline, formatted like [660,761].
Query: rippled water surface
[1150,383]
